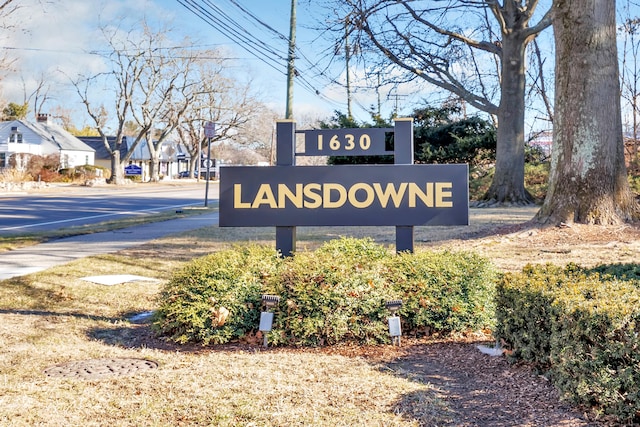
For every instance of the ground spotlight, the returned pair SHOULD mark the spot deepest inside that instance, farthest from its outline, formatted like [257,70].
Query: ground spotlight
[394,321]
[266,317]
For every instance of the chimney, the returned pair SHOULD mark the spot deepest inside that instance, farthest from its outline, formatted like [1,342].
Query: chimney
[43,118]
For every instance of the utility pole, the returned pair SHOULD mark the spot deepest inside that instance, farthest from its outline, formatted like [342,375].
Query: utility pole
[347,54]
[291,70]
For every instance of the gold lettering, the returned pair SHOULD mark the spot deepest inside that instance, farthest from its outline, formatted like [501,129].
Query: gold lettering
[285,193]
[264,197]
[360,195]
[237,198]
[354,200]
[314,200]
[326,195]
[390,191]
[441,194]
[415,191]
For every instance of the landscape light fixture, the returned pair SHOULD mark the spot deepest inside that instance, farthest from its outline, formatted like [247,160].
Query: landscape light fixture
[266,317]
[394,321]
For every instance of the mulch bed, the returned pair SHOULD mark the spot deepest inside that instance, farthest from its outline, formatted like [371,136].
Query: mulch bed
[484,390]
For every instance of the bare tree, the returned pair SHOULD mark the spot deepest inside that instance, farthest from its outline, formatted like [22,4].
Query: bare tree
[39,96]
[7,8]
[448,44]
[164,91]
[539,82]
[588,180]
[127,59]
[630,75]
[227,103]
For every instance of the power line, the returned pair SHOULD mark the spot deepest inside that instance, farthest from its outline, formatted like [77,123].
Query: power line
[104,52]
[249,44]
[272,56]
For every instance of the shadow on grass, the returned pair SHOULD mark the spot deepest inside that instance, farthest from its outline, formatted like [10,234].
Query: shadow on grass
[49,313]
[630,271]
[136,335]
[21,288]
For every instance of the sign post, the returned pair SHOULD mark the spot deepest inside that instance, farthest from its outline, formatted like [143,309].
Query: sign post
[403,155]
[209,132]
[285,156]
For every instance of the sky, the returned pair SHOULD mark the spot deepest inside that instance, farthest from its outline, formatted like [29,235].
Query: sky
[54,39]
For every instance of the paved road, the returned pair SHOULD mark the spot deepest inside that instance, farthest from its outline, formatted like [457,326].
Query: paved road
[40,257]
[64,206]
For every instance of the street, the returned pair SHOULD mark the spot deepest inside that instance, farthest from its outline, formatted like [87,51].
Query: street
[66,206]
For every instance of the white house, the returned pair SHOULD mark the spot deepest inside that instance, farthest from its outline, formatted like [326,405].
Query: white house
[21,138]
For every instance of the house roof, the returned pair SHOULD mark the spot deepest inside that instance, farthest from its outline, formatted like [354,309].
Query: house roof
[168,151]
[55,133]
[97,144]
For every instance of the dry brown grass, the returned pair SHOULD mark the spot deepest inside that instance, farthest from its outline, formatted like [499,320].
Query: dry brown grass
[54,317]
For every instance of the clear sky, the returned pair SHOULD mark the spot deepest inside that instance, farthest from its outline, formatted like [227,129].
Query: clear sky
[54,36]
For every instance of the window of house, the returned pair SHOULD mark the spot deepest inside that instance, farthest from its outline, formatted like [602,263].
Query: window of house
[3,160]
[16,135]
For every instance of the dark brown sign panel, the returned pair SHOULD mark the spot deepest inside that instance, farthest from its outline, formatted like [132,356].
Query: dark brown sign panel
[345,142]
[401,195]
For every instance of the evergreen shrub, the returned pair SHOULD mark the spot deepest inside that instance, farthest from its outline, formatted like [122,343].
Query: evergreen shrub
[334,294]
[581,328]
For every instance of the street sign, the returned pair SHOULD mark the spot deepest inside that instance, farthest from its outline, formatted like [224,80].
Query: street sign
[133,170]
[210,129]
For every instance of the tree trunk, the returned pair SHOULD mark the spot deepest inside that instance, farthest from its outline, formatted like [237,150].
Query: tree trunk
[507,186]
[588,179]
[117,174]
[154,165]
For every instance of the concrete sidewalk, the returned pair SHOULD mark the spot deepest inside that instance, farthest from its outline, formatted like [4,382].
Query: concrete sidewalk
[40,257]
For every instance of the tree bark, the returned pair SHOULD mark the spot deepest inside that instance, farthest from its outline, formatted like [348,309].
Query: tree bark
[117,174]
[588,179]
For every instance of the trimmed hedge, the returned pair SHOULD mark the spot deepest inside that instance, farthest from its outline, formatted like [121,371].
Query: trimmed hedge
[581,328]
[334,294]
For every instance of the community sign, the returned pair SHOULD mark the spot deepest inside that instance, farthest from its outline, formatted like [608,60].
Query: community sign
[364,195]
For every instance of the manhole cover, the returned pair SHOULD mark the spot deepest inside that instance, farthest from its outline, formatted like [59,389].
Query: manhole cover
[99,368]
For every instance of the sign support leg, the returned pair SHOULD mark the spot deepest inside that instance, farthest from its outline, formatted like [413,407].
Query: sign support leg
[285,156]
[404,238]
[206,191]
[403,155]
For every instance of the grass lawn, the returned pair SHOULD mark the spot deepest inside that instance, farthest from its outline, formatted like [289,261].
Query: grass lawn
[54,317]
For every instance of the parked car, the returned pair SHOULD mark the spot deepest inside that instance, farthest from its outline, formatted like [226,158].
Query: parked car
[185,174]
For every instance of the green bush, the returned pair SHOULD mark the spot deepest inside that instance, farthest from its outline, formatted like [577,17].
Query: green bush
[582,328]
[619,271]
[334,294]
[196,299]
[443,291]
[525,311]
